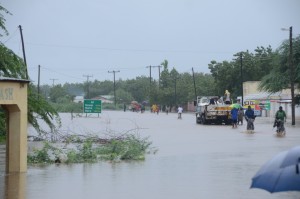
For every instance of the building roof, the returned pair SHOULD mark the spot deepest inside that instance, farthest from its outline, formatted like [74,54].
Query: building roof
[267,96]
[9,79]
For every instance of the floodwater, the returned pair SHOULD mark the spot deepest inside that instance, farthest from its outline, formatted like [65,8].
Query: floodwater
[193,161]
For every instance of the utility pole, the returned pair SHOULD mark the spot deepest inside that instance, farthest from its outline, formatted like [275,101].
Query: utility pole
[292,71]
[150,73]
[23,49]
[150,83]
[158,74]
[88,86]
[292,75]
[114,72]
[39,75]
[241,59]
[175,80]
[53,81]
[151,77]
[194,84]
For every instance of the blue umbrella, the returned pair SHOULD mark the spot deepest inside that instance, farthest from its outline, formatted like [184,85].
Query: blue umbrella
[281,173]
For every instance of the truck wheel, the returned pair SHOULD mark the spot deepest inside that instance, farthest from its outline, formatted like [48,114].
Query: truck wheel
[227,122]
[203,120]
[198,120]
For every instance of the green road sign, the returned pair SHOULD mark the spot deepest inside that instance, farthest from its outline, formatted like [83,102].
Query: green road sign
[92,106]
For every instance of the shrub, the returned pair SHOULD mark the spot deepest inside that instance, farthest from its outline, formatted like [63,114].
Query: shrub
[129,147]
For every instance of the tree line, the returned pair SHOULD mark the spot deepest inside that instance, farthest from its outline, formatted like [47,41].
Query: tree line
[264,64]
[171,88]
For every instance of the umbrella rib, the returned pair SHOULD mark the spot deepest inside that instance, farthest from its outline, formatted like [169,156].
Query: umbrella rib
[275,184]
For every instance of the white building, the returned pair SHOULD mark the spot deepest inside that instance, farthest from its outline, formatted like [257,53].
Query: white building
[272,100]
[104,99]
[78,99]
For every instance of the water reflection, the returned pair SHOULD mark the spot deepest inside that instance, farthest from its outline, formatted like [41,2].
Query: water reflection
[15,186]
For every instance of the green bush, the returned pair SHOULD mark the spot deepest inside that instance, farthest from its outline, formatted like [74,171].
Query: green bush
[40,156]
[130,147]
[68,107]
[87,153]
[72,156]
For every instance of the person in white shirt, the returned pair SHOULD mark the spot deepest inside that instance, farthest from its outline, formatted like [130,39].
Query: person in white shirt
[179,110]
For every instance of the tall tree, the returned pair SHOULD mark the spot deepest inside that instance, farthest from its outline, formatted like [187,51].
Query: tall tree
[138,87]
[57,92]
[280,76]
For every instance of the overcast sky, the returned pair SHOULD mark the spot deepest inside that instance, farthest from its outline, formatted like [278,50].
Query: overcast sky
[73,39]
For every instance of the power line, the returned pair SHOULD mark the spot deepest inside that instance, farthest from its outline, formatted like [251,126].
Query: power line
[61,73]
[128,49]
[11,36]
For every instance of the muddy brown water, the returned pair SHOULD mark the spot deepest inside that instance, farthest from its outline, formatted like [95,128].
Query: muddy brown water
[193,161]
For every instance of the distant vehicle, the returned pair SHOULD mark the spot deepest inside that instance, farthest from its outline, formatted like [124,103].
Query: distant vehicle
[211,111]
[135,106]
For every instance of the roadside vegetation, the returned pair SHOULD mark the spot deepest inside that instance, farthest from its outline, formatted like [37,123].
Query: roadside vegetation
[78,149]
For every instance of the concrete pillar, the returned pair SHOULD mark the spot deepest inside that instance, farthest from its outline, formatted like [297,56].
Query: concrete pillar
[13,98]
[15,186]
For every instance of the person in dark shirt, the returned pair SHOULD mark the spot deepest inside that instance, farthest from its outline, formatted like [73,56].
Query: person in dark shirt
[250,117]
[234,117]
[249,114]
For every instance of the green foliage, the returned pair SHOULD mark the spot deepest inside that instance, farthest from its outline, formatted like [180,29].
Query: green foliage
[227,74]
[84,153]
[10,64]
[72,156]
[138,88]
[162,91]
[56,93]
[87,152]
[129,147]
[43,156]
[112,106]
[68,107]
[123,96]
[280,76]
[97,88]
[39,108]
[2,20]
[2,139]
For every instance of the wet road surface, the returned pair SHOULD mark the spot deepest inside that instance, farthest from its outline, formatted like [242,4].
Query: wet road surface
[193,161]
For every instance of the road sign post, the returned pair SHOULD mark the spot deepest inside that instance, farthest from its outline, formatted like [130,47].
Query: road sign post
[92,106]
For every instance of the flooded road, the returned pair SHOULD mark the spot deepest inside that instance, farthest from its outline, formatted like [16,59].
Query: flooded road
[193,161]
